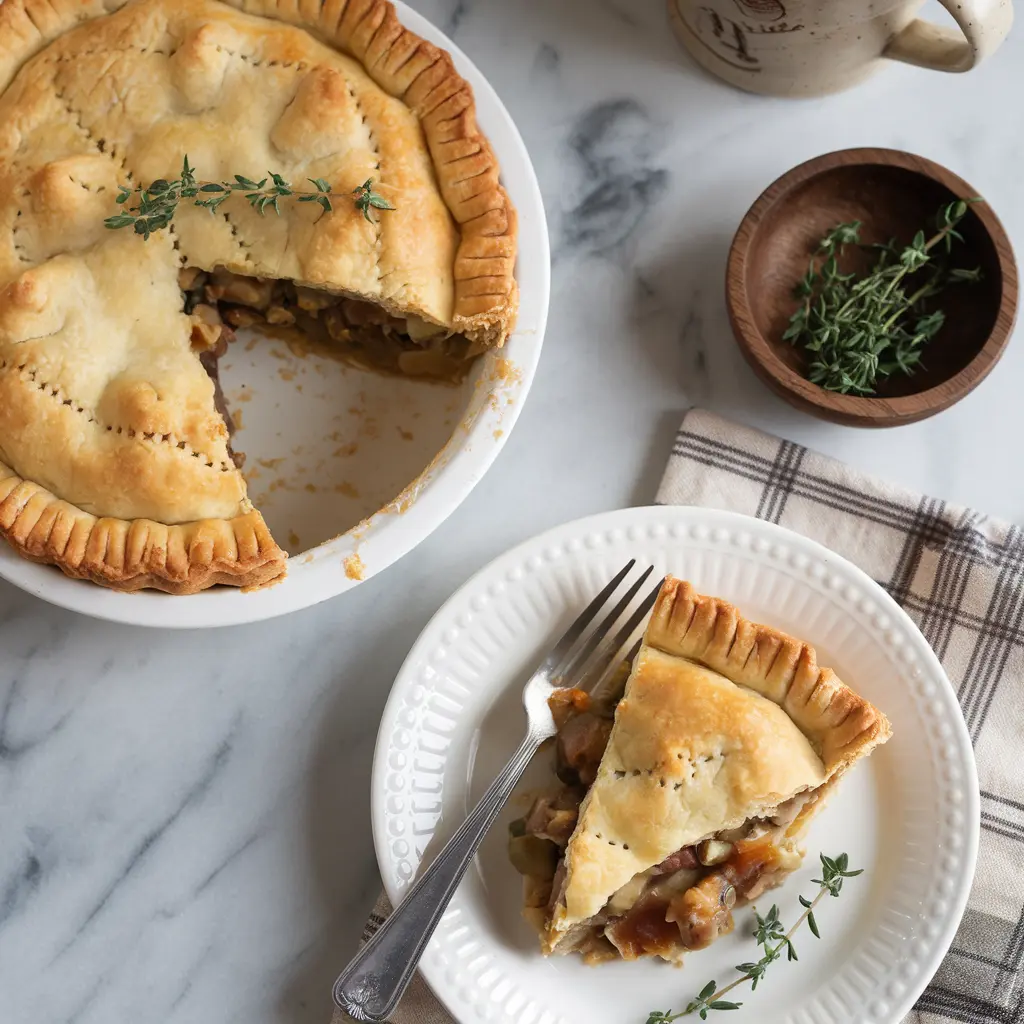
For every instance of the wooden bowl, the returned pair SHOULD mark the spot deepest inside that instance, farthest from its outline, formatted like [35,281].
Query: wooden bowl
[893,194]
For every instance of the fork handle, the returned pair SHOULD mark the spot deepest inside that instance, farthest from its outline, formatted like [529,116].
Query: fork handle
[372,984]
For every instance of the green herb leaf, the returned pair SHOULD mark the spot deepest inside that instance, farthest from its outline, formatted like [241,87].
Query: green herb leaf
[963,274]
[155,204]
[365,198]
[769,931]
[859,328]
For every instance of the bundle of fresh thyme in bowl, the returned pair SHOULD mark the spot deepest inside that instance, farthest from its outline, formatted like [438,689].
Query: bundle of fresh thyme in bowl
[857,329]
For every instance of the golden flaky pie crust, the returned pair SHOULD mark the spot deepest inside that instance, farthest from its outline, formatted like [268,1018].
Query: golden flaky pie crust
[114,462]
[722,720]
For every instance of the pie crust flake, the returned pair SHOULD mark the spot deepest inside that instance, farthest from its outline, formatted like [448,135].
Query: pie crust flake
[115,454]
[691,793]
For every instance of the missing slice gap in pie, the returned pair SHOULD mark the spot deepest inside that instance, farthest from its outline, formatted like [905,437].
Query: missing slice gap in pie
[691,794]
[359,332]
[115,454]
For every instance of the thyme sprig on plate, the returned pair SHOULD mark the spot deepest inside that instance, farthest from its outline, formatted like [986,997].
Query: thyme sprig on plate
[155,204]
[858,329]
[772,937]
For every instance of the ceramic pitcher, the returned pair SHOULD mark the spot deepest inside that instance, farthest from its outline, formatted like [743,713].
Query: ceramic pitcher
[811,47]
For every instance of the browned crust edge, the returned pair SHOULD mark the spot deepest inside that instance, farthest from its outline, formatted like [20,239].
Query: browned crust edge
[423,76]
[190,557]
[407,67]
[842,725]
[129,556]
[712,632]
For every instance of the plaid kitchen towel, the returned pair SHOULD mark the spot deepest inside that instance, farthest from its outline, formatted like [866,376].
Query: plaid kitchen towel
[960,576]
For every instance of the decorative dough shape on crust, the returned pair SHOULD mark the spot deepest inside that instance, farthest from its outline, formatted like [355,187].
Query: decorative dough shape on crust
[722,720]
[105,412]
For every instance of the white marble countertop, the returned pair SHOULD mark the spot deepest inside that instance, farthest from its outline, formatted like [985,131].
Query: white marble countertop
[185,816]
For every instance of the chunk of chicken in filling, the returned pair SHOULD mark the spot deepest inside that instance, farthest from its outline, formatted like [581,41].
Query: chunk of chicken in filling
[366,334]
[685,902]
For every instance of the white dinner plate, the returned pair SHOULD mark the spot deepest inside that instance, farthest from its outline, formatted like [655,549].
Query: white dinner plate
[351,469]
[909,815]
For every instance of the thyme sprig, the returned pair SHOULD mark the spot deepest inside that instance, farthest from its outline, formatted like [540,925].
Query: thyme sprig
[860,329]
[773,938]
[366,198]
[157,202]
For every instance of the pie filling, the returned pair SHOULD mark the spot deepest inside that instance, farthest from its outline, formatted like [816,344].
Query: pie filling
[362,333]
[682,904]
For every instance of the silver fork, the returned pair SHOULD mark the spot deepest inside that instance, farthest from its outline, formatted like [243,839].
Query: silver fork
[370,987]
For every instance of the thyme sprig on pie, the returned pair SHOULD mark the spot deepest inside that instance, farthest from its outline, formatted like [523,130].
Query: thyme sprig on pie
[116,455]
[367,199]
[158,201]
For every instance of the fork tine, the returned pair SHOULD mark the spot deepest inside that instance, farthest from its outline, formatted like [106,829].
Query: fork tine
[609,650]
[573,665]
[600,690]
[575,631]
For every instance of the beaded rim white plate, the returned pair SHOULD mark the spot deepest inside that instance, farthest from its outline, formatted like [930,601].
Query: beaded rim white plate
[909,815]
[493,409]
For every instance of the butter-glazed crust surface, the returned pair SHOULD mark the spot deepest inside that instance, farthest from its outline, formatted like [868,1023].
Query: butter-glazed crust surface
[103,405]
[722,720]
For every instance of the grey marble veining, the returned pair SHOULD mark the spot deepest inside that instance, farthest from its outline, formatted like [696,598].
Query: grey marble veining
[184,817]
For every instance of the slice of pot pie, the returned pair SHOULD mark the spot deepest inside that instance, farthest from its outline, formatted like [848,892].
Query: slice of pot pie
[115,450]
[691,793]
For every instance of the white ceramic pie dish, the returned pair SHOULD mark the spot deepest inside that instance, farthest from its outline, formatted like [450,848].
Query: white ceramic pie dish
[419,458]
[909,815]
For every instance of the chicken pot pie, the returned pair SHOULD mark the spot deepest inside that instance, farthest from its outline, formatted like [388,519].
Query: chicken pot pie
[115,450]
[691,793]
